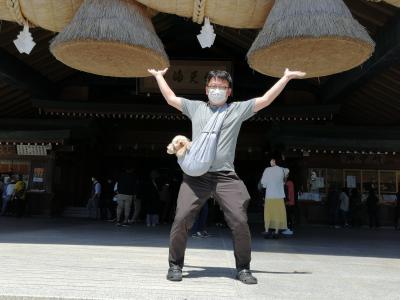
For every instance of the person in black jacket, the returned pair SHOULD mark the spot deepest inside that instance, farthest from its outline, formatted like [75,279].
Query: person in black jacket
[152,201]
[125,193]
[333,206]
[108,206]
[372,206]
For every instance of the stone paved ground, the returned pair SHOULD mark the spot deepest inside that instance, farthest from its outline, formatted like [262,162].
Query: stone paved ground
[78,259]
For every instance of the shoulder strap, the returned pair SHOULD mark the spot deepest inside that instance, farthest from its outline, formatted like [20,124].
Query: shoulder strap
[214,124]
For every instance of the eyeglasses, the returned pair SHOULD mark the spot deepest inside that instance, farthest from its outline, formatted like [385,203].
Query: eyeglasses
[218,87]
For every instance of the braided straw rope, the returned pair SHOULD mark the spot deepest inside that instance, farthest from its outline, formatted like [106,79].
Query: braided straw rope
[15,11]
[392,2]
[198,11]
[231,13]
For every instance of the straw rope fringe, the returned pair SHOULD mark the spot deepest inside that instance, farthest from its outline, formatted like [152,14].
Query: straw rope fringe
[319,37]
[329,18]
[111,21]
[111,38]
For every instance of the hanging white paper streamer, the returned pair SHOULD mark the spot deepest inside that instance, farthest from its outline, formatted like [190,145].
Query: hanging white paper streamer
[24,41]
[207,35]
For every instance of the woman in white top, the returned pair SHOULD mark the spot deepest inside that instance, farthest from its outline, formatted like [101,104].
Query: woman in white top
[273,181]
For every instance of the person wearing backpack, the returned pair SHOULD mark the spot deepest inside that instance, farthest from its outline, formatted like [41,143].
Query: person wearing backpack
[220,180]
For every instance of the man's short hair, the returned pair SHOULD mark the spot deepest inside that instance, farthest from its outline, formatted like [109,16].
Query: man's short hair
[220,74]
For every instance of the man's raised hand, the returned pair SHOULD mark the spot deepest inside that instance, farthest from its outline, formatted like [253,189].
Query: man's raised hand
[294,74]
[157,72]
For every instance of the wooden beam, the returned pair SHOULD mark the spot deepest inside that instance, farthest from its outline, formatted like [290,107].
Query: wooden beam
[17,108]
[382,82]
[362,11]
[381,93]
[119,108]
[387,53]
[21,76]
[365,107]
[390,80]
[34,136]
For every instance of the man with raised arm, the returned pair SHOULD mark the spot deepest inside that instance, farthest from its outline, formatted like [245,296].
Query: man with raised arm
[220,181]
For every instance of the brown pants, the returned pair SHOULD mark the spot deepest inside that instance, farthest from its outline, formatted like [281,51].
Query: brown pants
[233,198]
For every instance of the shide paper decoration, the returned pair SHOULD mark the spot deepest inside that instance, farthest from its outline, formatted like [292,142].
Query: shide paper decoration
[207,36]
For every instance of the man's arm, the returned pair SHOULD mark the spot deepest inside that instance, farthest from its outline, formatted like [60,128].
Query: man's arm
[270,96]
[166,91]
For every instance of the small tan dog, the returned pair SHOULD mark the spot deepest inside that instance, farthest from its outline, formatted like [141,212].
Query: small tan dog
[179,145]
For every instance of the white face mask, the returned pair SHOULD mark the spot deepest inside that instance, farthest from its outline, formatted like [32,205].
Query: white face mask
[217,96]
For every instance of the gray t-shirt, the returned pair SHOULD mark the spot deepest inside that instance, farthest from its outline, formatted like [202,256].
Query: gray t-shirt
[199,112]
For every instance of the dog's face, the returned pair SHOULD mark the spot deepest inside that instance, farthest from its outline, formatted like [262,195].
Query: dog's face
[180,143]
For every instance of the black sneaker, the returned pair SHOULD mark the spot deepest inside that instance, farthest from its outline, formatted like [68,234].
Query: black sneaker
[246,277]
[174,273]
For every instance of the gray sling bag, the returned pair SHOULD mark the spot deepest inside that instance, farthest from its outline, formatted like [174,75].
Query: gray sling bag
[199,158]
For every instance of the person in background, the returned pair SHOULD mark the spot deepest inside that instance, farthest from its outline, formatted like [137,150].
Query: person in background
[397,211]
[199,227]
[20,197]
[273,180]
[103,200]
[114,204]
[166,202]
[1,185]
[333,206]
[2,188]
[344,207]
[372,207]
[216,214]
[125,194]
[107,195]
[8,191]
[153,200]
[355,208]
[290,204]
[93,203]
[137,201]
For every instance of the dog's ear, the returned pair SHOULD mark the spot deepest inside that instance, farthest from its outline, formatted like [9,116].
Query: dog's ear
[171,149]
